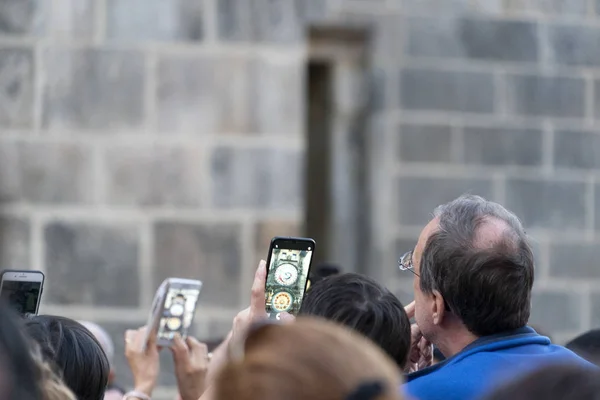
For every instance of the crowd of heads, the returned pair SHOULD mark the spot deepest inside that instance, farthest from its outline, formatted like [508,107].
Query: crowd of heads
[353,339]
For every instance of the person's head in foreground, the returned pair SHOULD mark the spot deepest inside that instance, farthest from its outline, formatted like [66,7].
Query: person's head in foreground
[103,338]
[473,274]
[77,356]
[310,359]
[365,306]
[587,346]
[20,376]
[52,386]
[474,270]
[557,382]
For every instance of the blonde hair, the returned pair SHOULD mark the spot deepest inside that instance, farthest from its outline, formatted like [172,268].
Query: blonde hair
[308,359]
[52,386]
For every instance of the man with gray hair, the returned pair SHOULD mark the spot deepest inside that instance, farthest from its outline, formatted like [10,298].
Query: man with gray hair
[112,391]
[473,275]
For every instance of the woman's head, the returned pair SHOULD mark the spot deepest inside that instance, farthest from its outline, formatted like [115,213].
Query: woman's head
[74,352]
[53,388]
[19,374]
[308,359]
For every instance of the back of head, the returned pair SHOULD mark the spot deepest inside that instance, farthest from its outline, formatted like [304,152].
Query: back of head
[308,359]
[19,373]
[102,337]
[559,382]
[481,262]
[587,346]
[365,306]
[74,352]
[52,386]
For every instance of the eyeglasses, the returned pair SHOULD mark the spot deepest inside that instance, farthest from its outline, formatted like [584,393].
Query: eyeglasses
[405,263]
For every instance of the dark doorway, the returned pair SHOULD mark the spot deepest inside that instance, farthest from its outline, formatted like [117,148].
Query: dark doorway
[318,162]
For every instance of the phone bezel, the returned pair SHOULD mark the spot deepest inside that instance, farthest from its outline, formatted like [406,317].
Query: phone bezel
[12,275]
[291,243]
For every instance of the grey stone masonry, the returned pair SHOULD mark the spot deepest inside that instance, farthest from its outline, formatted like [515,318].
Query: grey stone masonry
[143,139]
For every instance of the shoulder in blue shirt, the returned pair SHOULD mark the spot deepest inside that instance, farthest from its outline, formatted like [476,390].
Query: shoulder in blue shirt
[486,363]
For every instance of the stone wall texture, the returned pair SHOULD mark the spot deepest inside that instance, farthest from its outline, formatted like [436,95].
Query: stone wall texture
[141,139]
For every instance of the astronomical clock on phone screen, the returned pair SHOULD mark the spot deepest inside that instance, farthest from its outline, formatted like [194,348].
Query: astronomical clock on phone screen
[286,280]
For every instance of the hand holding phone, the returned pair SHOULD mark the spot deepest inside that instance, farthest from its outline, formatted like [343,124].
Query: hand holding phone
[173,309]
[289,265]
[22,289]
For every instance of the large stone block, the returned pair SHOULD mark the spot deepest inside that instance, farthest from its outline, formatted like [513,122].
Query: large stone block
[23,17]
[92,264]
[15,243]
[455,7]
[425,143]
[204,94]
[259,178]
[597,99]
[73,18]
[597,207]
[574,45]
[577,149]
[556,311]
[210,252]
[278,111]
[547,204]
[558,7]
[267,230]
[124,377]
[274,21]
[429,89]
[36,173]
[312,10]
[141,20]
[417,197]
[93,89]
[498,146]
[17,68]
[549,96]
[574,261]
[473,38]
[154,175]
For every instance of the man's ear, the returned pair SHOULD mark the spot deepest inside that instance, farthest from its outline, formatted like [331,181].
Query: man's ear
[438,307]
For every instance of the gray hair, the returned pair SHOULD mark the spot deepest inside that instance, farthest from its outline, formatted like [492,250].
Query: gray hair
[487,287]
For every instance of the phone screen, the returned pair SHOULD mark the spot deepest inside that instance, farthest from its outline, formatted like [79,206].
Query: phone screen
[23,296]
[289,265]
[178,312]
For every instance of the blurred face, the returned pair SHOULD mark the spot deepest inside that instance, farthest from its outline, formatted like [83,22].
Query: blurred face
[424,303]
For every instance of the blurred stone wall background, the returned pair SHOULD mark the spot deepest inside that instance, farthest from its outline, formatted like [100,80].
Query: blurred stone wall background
[142,139]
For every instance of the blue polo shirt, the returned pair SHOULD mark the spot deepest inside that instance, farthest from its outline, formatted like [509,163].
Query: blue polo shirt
[486,363]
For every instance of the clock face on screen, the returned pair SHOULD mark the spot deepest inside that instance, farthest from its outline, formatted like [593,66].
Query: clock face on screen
[282,301]
[286,274]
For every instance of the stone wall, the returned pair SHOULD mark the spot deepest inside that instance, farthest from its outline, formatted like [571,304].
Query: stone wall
[147,138]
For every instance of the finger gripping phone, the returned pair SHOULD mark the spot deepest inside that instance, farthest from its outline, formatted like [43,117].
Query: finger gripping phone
[288,263]
[22,290]
[173,309]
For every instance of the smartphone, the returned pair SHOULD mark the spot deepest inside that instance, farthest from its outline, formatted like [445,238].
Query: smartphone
[22,290]
[173,309]
[288,264]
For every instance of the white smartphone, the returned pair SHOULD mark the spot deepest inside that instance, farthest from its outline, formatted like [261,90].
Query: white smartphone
[22,290]
[173,309]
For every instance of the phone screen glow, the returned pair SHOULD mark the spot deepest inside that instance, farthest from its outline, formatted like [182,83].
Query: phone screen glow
[286,280]
[177,313]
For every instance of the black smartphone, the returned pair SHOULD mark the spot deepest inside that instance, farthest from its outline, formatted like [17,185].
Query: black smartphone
[22,290]
[288,266]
